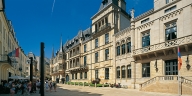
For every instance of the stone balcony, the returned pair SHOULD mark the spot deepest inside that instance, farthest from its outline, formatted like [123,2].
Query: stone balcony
[184,42]
[78,68]
[102,27]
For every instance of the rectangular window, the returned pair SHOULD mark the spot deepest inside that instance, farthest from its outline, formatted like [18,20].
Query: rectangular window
[75,75]
[118,72]
[167,1]
[106,73]
[106,20]
[123,49]
[171,31]
[171,67]
[107,38]
[81,75]
[96,43]
[146,70]
[146,39]
[26,68]
[129,71]
[118,50]
[85,48]
[96,74]
[85,61]
[96,28]
[85,75]
[72,76]
[129,47]
[123,72]
[96,57]
[170,9]
[144,21]
[106,54]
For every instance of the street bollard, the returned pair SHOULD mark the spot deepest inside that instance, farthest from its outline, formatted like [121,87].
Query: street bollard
[95,85]
[83,84]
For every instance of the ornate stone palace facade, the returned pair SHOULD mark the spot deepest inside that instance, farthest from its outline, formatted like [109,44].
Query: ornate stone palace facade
[140,52]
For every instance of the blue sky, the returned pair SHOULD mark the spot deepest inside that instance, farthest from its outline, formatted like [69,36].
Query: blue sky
[34,22]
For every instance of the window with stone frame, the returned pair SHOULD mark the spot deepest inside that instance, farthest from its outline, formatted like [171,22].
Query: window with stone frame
[107,54]
[96,43]
[60,56]
[96,74]
[118,50]
[85,60]
[81,75]
[107,38]
[75,75]
[72,76]
[128,47]
[146,70]
[166,1]
[85,47]
[85,75]
[123,49]
[96,57]
[128,71]
[96,28]
[106,73]
[123,72]
[171,31]
[145,39]
[106,20]
[118,72]
[171,67]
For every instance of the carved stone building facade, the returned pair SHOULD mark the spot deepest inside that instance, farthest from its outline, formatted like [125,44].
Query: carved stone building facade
[138,52]
[146,52]
[90,53]
[57,65]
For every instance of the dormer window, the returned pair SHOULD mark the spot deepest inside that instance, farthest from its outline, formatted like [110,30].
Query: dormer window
[170,9]
[167,1]
[105,2]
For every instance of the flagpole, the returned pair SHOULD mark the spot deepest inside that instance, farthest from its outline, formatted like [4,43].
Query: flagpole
[178,72]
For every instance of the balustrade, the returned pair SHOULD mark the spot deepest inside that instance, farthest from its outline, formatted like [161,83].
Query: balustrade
[162,78]
[164,45]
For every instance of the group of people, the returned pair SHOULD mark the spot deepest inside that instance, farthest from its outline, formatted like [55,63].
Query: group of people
[50,85]
[28,87]
[21,87]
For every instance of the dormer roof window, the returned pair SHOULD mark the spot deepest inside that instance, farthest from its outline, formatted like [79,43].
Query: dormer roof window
[105,2]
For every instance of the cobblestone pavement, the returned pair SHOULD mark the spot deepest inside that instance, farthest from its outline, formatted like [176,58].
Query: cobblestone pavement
[71,90]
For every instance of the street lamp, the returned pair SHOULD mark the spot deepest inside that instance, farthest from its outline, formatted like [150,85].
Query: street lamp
[187,62]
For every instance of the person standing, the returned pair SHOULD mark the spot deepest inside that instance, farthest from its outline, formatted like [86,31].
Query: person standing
[47,86]
[50,86]
[29,87]
[12,89]
[54,85]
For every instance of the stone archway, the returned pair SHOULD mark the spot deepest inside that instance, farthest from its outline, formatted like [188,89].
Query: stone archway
[3,71]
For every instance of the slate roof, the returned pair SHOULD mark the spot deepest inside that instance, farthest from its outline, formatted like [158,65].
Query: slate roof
[82,35]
